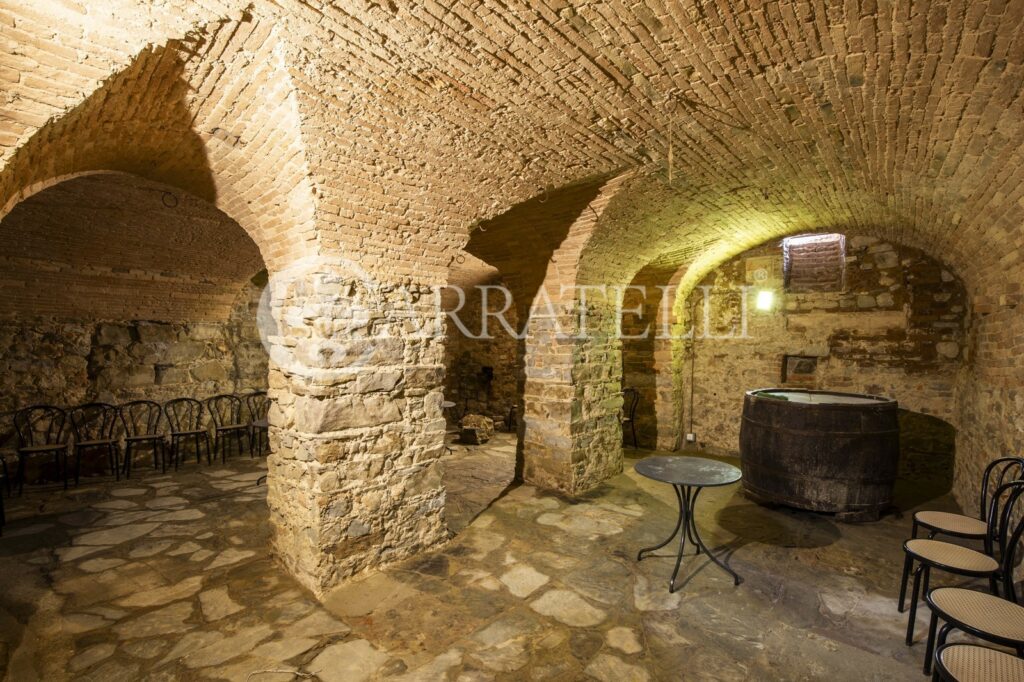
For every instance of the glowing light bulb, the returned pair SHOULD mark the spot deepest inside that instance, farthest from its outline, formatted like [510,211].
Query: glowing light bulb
[765,299]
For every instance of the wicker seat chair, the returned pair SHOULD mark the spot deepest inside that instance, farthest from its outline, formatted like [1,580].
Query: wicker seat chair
[955,559]
[993,618]
[41,431]
[973,663]
[142,421]
[185,420]
[226,415]
[93,424]
[258,405]
[998,472]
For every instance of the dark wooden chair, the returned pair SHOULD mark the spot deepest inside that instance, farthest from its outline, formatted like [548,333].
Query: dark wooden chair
[142,426]
[93,424]
[258,405]
[226,415]
[41,431]
[185,419]
[989,617]
[998,472]
[630,400]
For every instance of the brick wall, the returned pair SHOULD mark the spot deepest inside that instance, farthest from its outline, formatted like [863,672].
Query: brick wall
[114,246]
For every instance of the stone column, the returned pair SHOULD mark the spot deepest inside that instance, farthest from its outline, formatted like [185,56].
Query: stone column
[572,438]
[356,427]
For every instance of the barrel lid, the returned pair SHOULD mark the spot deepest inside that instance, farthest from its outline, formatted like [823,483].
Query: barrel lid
[813,397]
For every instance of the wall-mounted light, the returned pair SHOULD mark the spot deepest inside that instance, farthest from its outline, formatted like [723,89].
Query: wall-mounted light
[765,299]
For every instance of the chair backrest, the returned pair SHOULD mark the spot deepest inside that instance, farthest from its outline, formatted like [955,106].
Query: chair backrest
[258,405]
[141,417]
[630,399]
[93,421]
[998,472]
[225,409]
[184,414]
[1007,517]
[40,425]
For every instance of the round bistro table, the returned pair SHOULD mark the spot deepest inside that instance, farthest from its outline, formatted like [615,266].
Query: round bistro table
[688,476]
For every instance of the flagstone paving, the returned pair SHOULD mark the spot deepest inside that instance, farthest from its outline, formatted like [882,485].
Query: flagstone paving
[170,577]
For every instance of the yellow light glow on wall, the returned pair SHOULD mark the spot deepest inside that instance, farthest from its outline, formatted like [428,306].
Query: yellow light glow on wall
[765,299]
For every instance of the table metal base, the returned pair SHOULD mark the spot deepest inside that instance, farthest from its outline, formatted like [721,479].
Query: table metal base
[686,526]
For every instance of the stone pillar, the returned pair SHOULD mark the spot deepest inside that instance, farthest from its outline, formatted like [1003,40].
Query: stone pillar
[572,398]
[572,438]
[356,427]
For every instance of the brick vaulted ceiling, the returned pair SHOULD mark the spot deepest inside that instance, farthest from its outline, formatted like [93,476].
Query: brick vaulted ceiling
[902,119]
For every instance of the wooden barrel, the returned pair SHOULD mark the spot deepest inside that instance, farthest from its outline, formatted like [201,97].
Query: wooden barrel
[820,450]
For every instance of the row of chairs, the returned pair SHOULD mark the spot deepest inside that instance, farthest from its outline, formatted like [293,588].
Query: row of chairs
[995,616]
[42,430]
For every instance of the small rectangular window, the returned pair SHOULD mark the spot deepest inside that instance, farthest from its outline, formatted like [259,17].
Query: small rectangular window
[814,262]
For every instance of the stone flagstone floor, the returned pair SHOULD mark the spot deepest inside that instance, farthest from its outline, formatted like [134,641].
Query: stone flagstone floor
[169,577]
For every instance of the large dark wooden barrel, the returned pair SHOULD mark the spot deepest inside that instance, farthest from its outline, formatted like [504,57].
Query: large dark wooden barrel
[820,450]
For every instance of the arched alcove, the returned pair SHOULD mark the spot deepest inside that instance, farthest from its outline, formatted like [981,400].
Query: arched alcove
[119,288]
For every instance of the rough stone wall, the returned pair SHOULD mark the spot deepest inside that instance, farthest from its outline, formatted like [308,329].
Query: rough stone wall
[990,402]
[355,479]
[897,328]
[465,357]
[67,363]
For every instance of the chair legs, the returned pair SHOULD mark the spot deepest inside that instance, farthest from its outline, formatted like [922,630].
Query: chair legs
[222,442]
[160,451]
[128,460]
[933,624]
[907,565]
[921,572]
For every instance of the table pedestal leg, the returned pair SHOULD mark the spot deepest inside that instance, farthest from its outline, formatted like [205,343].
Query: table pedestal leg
[686,526]
[736,579]
[679,523]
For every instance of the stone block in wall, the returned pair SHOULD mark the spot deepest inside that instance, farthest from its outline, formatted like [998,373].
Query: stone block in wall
[316,415]
[169,376]
[113,335]
[184,351]
[373,382]
[155,332]
[210,371]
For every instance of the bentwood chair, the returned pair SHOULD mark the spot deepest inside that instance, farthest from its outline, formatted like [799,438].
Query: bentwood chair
[142,426]
[93,424]
[258,405]
[226,415]
[973,663]
[955,559]
[630,399]
[185,419]
[998,472]
[993,618]
[41,431]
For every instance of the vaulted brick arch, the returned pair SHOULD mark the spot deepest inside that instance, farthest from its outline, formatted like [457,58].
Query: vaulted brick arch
[164,117]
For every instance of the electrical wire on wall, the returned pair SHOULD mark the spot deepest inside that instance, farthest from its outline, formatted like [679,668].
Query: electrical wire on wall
[693,361]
